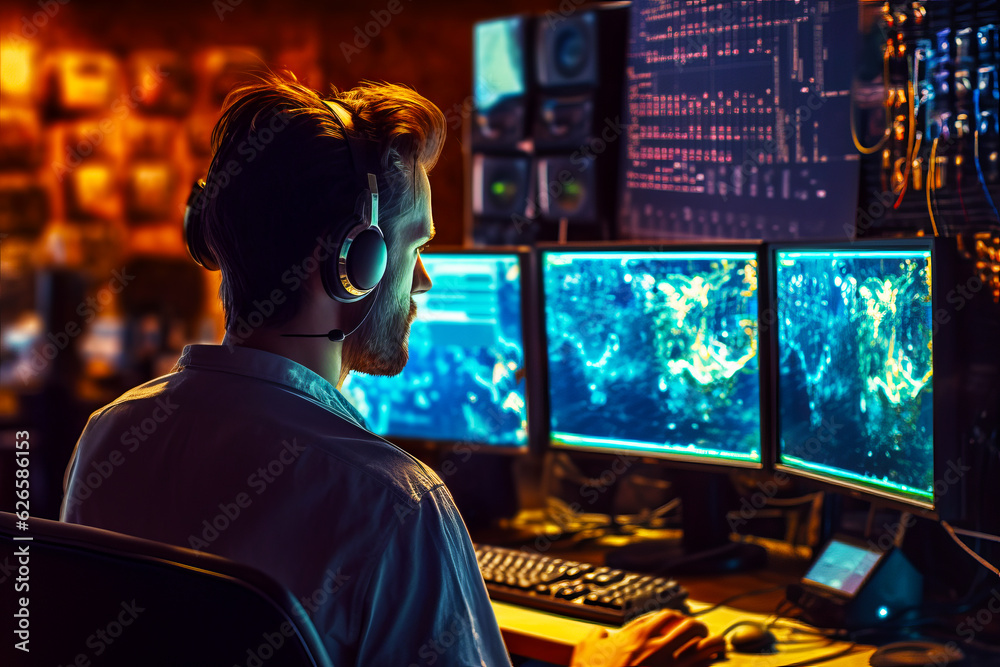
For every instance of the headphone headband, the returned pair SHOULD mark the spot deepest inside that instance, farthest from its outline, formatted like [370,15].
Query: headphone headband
[362,256]
[363,152]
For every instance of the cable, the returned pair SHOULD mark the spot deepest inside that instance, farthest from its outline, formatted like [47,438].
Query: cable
[831,637]
[648,519]
[975,152]
[831,634]
[982,179]
[958,185]
[976,534]
[910,142]
[829,656]
[868,150]
[931,172]
[916,151]
[336,335]
[913,107]
[780,611]
[982,561]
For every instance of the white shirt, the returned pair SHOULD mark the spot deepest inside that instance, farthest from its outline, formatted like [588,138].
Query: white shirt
[254,457]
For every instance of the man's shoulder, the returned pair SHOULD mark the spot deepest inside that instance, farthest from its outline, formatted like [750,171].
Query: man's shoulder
[234,409]
[383,463]
[146,389]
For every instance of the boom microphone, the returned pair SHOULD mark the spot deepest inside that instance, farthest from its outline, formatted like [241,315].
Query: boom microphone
[336,335]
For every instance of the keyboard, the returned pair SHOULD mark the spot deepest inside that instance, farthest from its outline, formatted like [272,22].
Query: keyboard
[580,590]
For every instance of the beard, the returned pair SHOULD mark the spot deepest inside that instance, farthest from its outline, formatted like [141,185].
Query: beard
[380,346]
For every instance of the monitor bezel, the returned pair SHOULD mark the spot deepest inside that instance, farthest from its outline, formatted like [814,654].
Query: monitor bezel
[943,380]
[674,459]
[467,447]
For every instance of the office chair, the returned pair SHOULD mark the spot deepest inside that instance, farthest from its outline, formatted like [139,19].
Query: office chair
[96,597]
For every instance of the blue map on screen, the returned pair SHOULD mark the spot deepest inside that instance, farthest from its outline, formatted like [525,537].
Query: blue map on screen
[654,352]
[464,381]
[855,367]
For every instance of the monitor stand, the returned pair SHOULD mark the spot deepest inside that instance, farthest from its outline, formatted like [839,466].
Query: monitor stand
[705,547]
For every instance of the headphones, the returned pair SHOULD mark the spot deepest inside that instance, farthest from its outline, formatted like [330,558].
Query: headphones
[356,268]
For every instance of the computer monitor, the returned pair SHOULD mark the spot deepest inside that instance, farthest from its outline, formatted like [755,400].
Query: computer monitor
[501,63]
[860,368]
[737,120]
[465,380]
[654,351]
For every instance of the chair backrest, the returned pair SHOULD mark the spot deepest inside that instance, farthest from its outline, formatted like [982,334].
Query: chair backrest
[95,597]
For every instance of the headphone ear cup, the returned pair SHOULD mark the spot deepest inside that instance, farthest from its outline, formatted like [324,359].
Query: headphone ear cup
[366,260]
[194,237]
[358,265]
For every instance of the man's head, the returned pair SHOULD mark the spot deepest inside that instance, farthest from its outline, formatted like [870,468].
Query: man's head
[282,187]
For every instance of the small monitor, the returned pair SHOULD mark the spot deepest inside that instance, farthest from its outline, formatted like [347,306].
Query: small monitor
[654,351]
[843,567]
[499,61]
[855,364]
[855,584]
[500,65]
[465,378]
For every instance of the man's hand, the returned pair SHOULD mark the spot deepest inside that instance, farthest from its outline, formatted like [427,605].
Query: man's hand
[664,638]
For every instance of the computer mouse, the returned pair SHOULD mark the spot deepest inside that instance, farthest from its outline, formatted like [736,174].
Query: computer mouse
[752,638]
[915,654]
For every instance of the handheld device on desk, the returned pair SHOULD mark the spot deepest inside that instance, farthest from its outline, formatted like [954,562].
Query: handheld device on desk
[853,584]
[856,585]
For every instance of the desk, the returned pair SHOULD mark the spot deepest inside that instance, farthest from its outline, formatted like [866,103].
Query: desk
[549,637]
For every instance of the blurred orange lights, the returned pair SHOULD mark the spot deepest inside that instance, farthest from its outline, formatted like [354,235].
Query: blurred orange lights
[16,75]
[87,80]
[94,192]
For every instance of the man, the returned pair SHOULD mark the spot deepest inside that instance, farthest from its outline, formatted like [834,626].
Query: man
[249,451]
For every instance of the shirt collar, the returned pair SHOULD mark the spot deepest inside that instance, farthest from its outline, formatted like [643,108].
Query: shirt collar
[269,367]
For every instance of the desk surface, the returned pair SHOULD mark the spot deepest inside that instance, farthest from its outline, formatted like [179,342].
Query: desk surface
[549,637]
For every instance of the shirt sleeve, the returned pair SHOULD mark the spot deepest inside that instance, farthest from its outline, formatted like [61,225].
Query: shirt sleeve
[426,600]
